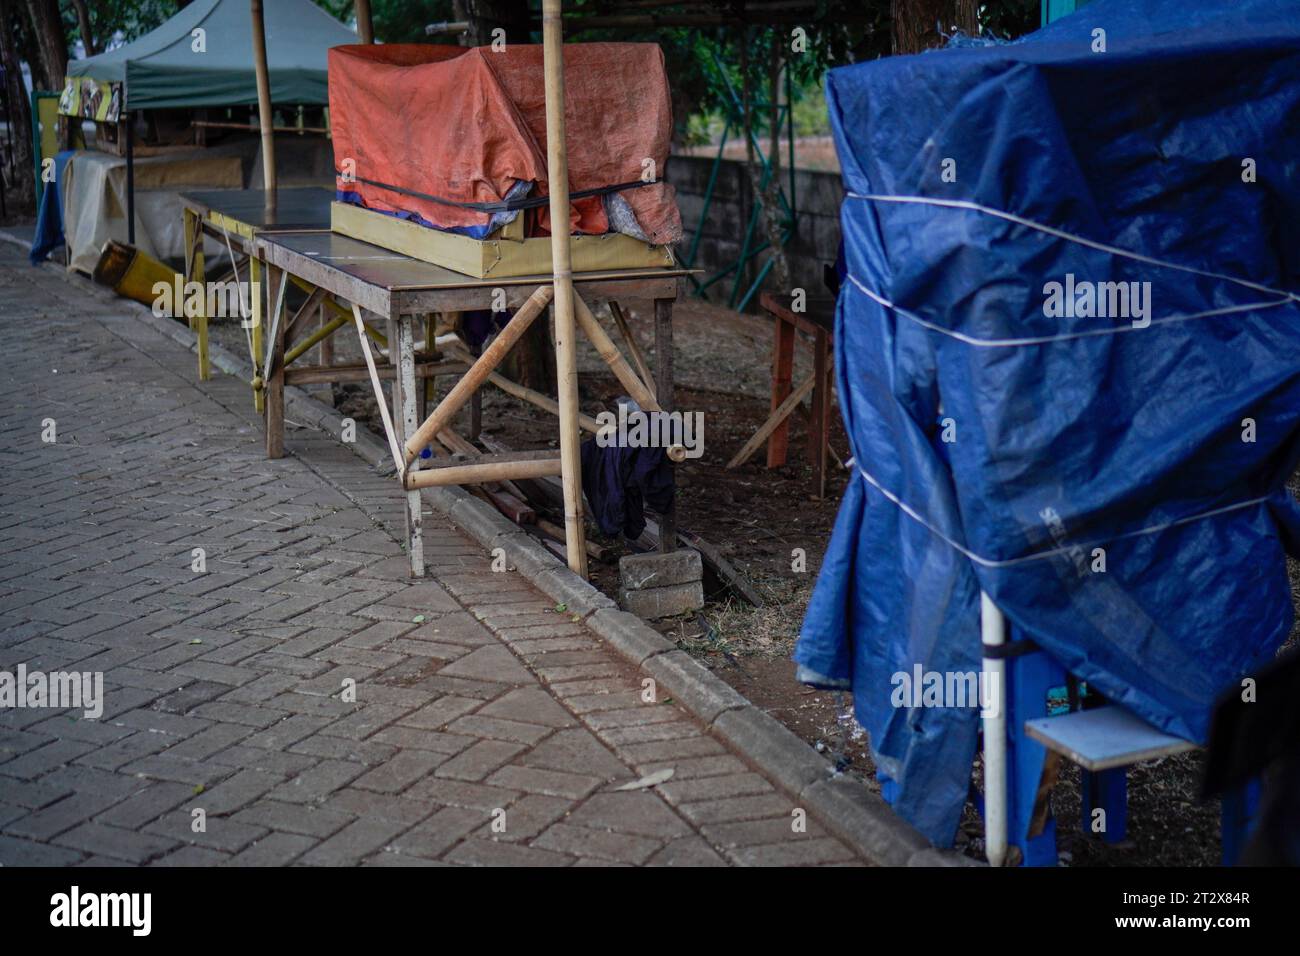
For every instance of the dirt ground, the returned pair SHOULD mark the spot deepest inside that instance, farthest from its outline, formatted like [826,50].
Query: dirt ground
[757,518]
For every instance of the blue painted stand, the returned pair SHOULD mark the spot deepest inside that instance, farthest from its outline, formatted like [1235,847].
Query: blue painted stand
[1029,677]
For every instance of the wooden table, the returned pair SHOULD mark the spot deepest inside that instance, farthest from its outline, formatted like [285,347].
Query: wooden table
[405,294]
[234,217]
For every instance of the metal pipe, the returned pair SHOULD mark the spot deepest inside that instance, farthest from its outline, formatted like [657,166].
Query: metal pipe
[130,178]
[993,630]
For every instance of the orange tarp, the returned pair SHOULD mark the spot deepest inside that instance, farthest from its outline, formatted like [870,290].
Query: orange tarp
[465,124]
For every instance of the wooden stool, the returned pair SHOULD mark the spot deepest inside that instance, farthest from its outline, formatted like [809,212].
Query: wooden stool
[817,320]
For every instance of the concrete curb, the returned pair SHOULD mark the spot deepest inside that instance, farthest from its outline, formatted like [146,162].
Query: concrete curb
[845,805]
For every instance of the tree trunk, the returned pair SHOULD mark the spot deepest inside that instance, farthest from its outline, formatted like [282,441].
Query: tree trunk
[83,24]
[51,42]
[770,194]
[17,167]
[917,23]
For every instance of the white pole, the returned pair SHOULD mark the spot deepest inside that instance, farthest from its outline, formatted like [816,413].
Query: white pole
[993,630]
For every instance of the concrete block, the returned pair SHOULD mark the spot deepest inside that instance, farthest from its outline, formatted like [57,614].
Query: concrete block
[638,572]
[652,603]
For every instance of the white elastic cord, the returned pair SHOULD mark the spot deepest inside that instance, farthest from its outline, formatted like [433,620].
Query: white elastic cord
[1066,336]
[1051,552]
[1071,237]
[243,307]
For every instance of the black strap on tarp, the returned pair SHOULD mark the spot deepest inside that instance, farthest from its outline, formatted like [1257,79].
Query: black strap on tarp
[1010,649]
[509,205]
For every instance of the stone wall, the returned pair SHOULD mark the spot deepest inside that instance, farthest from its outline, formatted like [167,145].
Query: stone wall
[816,241]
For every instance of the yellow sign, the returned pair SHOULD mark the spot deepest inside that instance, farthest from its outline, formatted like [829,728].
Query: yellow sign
[91,99]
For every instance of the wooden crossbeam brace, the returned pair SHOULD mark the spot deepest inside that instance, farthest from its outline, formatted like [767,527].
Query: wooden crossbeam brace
[613,357]
[324,332]
[313,300]
[478,373]
[398,460]
[315,374]
[638,359]
[523,392]
[781,413]
[485,468]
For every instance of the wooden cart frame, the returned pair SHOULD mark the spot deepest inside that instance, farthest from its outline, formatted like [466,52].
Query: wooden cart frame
[405,295]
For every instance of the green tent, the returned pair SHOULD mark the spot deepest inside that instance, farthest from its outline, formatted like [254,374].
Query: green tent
[177,66]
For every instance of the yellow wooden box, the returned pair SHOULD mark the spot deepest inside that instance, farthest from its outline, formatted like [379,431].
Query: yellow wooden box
[496,256]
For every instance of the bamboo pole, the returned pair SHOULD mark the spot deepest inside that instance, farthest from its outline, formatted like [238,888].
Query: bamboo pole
[642,367]
[566,362]
[482,471]
[614,358]
[523,392]
[473,379]
[365,25]
[264,105]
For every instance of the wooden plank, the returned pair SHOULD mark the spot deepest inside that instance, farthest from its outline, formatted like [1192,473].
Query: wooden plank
[492,258]
[778,440]
[819,430]
[667,402]
[776,418]
[401,334]
[1104,738]
[317,374]
[460,299]
[274,378]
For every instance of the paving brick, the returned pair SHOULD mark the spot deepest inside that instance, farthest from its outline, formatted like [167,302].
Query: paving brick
[319,781]
[318,822]
[402,770]
[222,689]
[489,853]
[479,760]
[802,853]
[356,840]
[602,844]
[637,812]
[274,849]
[128,845]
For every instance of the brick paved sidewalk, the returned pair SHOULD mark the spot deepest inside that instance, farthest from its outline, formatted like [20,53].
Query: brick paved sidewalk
[223,689]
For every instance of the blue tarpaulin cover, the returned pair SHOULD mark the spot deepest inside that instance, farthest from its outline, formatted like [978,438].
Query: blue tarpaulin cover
[1172,158]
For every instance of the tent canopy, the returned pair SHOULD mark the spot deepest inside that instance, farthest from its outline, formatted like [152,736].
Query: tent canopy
[170,67]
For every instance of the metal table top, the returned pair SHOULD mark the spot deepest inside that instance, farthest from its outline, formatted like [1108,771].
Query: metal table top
[381,280]
[296,209]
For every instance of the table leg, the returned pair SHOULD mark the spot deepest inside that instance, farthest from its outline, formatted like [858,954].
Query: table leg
[782,381]
[819,424]
[325,352]
[664,393]
[257,295]
[426,386]
[401,340]
[274,375]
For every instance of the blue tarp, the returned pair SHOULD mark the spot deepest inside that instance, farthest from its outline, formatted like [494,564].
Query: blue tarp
[1166,445]
[49,217]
